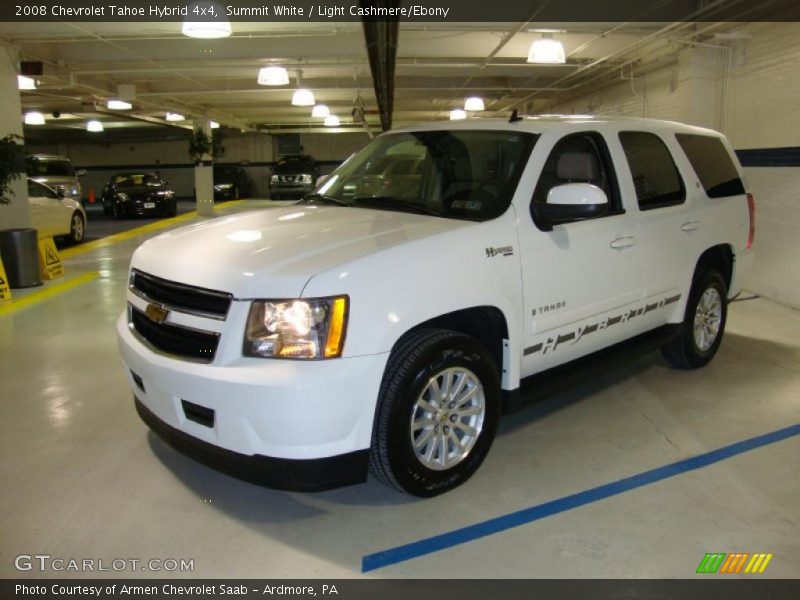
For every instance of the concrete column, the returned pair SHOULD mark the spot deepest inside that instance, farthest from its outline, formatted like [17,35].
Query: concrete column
[17,213]
[204,177]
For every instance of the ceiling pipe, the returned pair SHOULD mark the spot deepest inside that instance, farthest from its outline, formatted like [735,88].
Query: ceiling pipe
[381,40]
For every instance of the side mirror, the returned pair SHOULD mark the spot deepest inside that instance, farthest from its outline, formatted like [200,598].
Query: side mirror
[80,172]
[321,179]
[571,202]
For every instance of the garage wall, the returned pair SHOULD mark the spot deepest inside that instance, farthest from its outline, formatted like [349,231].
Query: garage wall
[169,157]
[752,94]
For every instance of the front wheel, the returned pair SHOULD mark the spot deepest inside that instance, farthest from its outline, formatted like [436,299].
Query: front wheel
[437,414]
[77,228]
[703,325]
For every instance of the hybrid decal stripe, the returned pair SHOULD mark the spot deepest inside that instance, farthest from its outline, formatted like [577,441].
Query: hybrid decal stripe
[399,554]
[576,335]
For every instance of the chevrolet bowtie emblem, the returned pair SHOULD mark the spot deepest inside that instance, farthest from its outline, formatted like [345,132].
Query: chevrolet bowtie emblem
[157,314]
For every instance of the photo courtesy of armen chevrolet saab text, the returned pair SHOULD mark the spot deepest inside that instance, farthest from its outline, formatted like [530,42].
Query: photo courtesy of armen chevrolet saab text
[385,321]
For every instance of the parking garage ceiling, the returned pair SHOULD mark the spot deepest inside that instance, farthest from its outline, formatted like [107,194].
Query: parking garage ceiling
[438,65]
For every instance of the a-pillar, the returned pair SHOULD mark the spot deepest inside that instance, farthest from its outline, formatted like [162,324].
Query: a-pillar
[17,213]
[204,176]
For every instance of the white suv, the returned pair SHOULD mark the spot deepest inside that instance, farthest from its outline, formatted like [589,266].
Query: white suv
[385,321]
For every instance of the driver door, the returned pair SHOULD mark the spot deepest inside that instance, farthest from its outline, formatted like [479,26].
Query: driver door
[580,279]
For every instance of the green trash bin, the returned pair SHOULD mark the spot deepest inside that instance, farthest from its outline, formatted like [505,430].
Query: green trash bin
[20,253]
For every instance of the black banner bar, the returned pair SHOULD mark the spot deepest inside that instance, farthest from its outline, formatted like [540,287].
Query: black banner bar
[411,11]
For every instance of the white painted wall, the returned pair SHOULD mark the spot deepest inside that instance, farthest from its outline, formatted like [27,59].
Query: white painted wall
[753,96]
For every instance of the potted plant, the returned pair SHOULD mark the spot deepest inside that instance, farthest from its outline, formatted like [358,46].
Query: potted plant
[199,146]
[18,247]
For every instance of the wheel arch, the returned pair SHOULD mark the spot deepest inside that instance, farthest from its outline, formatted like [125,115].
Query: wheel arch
[720,258]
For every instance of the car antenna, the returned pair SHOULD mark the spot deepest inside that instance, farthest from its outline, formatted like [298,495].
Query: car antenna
[514,116]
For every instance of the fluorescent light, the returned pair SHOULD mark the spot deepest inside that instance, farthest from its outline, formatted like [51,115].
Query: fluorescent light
[119,105]
[474,103]
[273,76]
[547,51]
[175,117]
[331,121]
[25,83]
[457,114]
[34,118]
[94,126]
[303,97]
[320,111]
[213,125]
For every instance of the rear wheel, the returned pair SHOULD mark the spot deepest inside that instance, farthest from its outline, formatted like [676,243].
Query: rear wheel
[437,414]
[703,325]
[77,228]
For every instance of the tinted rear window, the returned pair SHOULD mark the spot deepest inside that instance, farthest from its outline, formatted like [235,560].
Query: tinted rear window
[713,165]
[655,175]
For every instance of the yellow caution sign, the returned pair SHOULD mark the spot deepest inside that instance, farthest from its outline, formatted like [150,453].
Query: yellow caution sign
[49,262]
[5,291]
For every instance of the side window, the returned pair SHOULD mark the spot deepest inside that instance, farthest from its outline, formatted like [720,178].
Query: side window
[36,189]
[713,165]
[580,158]
[655,176]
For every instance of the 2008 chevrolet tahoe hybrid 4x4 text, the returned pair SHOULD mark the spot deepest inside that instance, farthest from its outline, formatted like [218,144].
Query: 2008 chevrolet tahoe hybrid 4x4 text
[384,321]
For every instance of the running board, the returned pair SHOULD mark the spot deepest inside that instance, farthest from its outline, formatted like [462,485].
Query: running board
[546,384]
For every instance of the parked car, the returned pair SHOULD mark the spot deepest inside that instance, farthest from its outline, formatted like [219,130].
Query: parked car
[135,194]
[293,177]
[55,172]
[53,214]
[231,183]
[298,346]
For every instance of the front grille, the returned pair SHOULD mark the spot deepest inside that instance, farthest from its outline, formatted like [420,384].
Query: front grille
[172,339]
[178,296]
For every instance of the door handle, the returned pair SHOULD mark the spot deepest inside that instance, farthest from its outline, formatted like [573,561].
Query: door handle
[690,225]
[625,241]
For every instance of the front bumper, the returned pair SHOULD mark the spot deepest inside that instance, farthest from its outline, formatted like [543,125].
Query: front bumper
[273,420]
[137,208]
[290,189]
[310,475]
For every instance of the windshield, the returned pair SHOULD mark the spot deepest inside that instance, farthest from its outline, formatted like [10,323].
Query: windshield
[45,167]
[461,174]
[136,179]
[297,164]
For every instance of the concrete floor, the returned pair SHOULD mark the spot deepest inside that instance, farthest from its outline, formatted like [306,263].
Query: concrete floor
[83,478]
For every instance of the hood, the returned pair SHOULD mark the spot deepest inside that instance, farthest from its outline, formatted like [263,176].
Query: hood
[53,180]
[140,190]
[272,253]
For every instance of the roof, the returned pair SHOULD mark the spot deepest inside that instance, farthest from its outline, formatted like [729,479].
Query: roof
[542,123]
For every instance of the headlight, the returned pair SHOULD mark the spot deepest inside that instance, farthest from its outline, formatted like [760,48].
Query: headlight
[75,191]
[305,329]
[123,197]
[223,186]
[305,178]
[274,179]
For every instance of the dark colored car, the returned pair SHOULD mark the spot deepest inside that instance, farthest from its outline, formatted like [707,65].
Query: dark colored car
[231,183]
[138,194]
[294,176]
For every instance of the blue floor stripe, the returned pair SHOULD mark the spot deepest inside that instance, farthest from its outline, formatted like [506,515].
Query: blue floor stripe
[392,556]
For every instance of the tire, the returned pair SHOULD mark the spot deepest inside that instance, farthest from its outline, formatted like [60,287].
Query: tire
[77,228]
[418,359]
[709,298]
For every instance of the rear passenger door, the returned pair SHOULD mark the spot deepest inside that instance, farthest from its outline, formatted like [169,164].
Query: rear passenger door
[667,228]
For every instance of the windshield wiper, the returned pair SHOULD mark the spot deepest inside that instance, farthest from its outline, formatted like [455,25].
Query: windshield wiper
[315,197]
[390,202]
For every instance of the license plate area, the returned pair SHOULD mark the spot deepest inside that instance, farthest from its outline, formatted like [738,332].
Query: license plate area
[149,204]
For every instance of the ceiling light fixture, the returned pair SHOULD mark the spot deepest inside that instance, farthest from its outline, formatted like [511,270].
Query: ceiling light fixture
[175,117]
[474,104]
[94,126]
[320,111]
[547,51]
[302,96]
[457,114]
[34,118]
[213,125]
[119,105]
[25,83]
[220,27]
[273,76]
[331,121]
